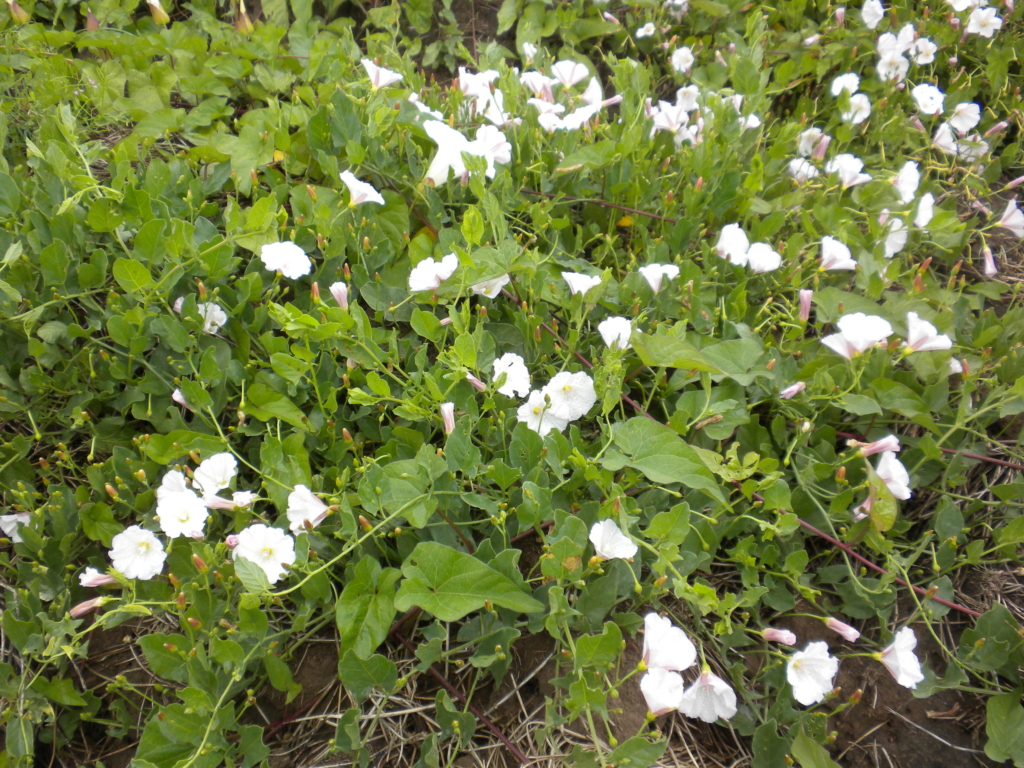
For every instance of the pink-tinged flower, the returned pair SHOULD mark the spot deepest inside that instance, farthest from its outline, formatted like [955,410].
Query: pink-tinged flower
[809,41]
[379,77]
[872,13]
[984,22]
[304,507]
[888,443]
[539,85]
[448,417]
[841,16]
[231,541]
[999,127]
[610,543]
[899,658]
[88,606]
[922,336]
[340,293]
[989,263]
[783,636]
[662,690]
[792,390]
[475,383]
[360,191]
[270,548]
[137,554]
[894,475]
[821,147]
[806,295]
[666,646]
[179,398]
[811,672]
[616,332]
[93,578]
[1012,218]
[568,73]
[848,168]
[857,333]
[850,634]
[217,502]
[807,141]
[536,414]
[579,283]
[654,274]
[708,699]
[428,274]
[835,255]
[491,288]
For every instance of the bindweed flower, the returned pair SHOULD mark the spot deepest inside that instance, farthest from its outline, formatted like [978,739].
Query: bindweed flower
[88,606]
[783,636]
[708,699]
[539,85]
[475,383]
[231,541]
[892,67]
[428,274]
[894,475]
[158,13]
[807,140]
[896,238]
[802,170]
[21,16]
[414,99]
[923,337]
[359,191]
[857,333]
[571,395]
[579,283]
[811,672]
[928,98]
[806,295]
[568,73]
[682,60]
[529,53]
[944,141]
[490,144]
[666,646]
[180,513]
[860,109]
[379,77]
[287,258]
[517,377]
[179,398]
[924,51]
[998,128]
[93,578]
[610,543]
[899,658]
[662,690]
[887,443]
[137,553]
[616,332]
[647,30]
[835,255]
[215,473]
[172,482]
[654,274]
[848,168]
[821,148]
[841,16]
[536,414]
[925,210]
[761,257]
[733,244]
[1012,218]
[872,13]
[850,634]
[9,524]
[907,181]
[447,417]
[849,82]
[984,22]
[243,499]
[792,390]
[340,293]
[269,548]
[966,115]
[477,86]
[989,267]
[304,506]
[491,288]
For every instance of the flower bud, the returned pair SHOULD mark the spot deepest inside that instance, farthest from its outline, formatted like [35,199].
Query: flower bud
[91,23]
[989,263]
[999,127]
[19,14]
[231,541]
[783,636]
[821,147]
[89,606]
[199,563]
[840,16]
[158,13]
[806,295]
[314,291]
[474,382]
[365,524]
[194,622]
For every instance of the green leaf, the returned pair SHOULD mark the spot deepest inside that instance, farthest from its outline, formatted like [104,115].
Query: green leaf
[98,522]
[53,263]
[253,578]
[366,608]
[451,584]
[164,661]
[884,509]
[164,449]
[810,754]
[637,752]
[473,226]
[669,352]
[60,690]
[593,156]
[266,404]
[280,676]
[769,748]
[1005,728]
[132,276]
[284,464]
[861,405]
[362,675]
[598,651]
[745,78]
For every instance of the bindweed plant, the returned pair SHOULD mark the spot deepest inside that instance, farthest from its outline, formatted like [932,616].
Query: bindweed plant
[656,329]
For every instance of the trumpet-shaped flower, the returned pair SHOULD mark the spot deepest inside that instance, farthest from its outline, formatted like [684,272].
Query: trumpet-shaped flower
[857,333]
[894,475]
[1012,218]
[733,244]
[984,22]
[414,99]
[708,699]
[849,634]
[568,73]
[287,258]
[966,115]
[860,109]
[682,60]
[616,332]
[536,413]
[761,257]
[907,181]
[269,548]
[340,293]
[923,337]
[137,553]
[835,254]
[654,274]
[490,144]
[379,77]
[666,646]
[806,296]
[181,514]
[539,84]
[802,170]
[477,85]
[807,140]
[896,238]
[491,288]
[662,690]
[93,578]
[517,377]
[887,443]
[687,96]
[892,67]
[447,411]
[179,398]
[303,507]
[571,395]
[172,482]
[811,672]
[213,316]
[848,168]
[360,191]
[928,98]
[849,82]
[9,524]
[783,636]
[611,543]
[579,283]
[647,30]
[925,210]
[872,13]
[899,658]
[428,274]
[944,141]
[792,390]
[215,473]
[924,51]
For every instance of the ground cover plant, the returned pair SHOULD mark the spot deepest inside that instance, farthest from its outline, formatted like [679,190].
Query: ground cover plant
[626,384]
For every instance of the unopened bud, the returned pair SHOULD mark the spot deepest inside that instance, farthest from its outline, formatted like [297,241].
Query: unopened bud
[199,563]
[193,622]
[111,491]
[315,291]
[364,523]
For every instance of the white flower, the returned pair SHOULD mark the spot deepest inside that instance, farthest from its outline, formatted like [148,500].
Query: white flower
[304,506]
[887,443]
[93,578]
[733,244]
[243,499]
[414,99]
[9,524]
[848,168]
[546,107]
[571,394]
[213,316]
[894,475]
[860,109]
[491,288]
[655,273]
[857,333]
[923,51]
[892,67]
[872,13]
[666,646]
[594,94]
[287,258]
[792,390]
[579,283]
[835,254]
[517,377]
[616,332]
[984,22]
[529,52]
[966,115]
[925,210]
[907,181]
[802,170]
[568,73]
[682,60]
[379,77]
[662,690]
[360,191]
[215,473]
[477,85]
[491,144]
[539,84]
[179,398]
[181,514]
[269,548]
[536,414]
[610,543]
[708,699]
[923,337]
[672,118]
[811,671]
[647,30]
[900,659]
[972,148]
[137,553]
[447,411]
[579,117]
[172,482]
[962,5]
[929,99]
[896,238]
[761,257]
[450,146]
[687,96]
[806,141]
[944,140]
[1012,218]
[850,634]
[750,122]
[340,293]
[955,366]
[429,274]
[849,82]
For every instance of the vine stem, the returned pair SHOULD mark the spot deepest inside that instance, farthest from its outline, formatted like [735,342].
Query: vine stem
[602,203]
[953,451]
